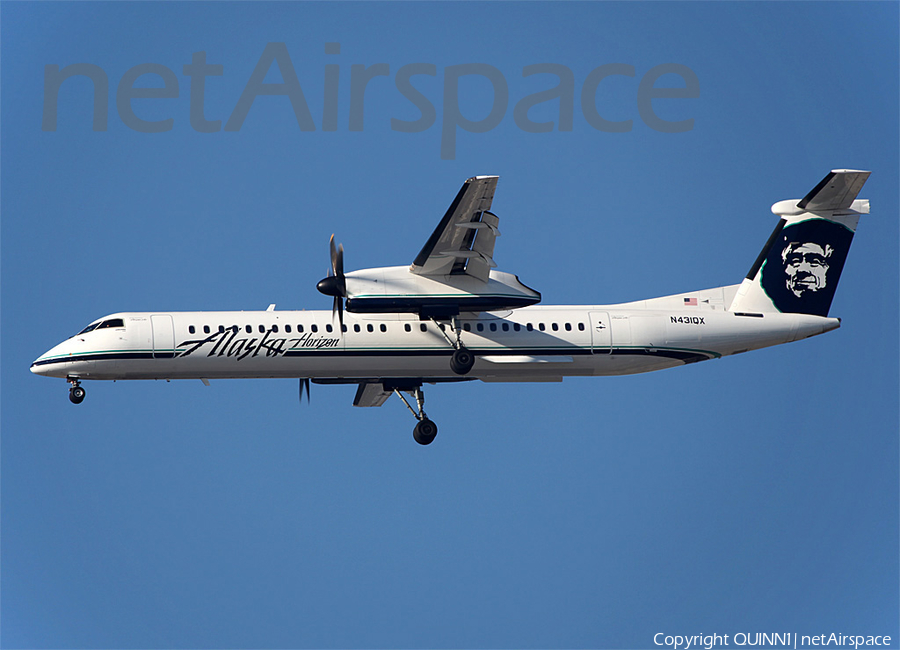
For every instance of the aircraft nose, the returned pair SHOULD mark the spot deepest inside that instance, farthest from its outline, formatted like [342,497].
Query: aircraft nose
[44,365]
[38,368]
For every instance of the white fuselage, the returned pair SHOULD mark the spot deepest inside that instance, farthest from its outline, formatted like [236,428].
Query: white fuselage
[539,343]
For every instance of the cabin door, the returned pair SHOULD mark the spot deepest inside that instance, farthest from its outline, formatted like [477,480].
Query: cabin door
[601,332]
[163,336]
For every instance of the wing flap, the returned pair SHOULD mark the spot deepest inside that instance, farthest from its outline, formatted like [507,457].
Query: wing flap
[371,394]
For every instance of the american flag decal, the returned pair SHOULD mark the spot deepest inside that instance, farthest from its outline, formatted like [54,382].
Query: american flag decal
[690,301]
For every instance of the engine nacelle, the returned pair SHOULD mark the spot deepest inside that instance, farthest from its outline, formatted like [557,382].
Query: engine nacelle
[396,289]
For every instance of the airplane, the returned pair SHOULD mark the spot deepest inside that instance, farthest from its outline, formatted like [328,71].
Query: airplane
[450,316]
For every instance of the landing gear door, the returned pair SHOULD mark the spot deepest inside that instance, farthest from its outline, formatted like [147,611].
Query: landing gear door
[601,332]
[163,336]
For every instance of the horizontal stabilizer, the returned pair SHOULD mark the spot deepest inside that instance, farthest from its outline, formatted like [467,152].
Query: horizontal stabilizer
[836,191]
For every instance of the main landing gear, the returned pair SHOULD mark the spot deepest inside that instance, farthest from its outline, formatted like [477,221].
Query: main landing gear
[425,430]
[463,359]
[76,392]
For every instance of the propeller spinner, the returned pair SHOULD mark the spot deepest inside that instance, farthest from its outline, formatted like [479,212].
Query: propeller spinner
[335,284]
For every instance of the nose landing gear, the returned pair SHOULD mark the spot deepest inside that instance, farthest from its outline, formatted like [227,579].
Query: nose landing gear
[76,392]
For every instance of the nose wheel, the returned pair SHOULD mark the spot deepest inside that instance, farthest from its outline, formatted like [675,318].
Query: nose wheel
[76,392]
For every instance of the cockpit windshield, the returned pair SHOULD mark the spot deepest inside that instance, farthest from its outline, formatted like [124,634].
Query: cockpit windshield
[112,322]
[87,329]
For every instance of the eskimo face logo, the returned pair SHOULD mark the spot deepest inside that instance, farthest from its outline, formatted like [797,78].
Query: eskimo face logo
[802,267]
[806,266]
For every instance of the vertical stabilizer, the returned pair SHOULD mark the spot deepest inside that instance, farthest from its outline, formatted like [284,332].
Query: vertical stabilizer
[799,267]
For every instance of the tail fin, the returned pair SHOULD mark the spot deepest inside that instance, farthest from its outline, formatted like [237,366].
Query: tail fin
[799,267]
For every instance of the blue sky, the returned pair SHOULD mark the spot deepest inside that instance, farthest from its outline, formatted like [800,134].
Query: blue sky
[752,494]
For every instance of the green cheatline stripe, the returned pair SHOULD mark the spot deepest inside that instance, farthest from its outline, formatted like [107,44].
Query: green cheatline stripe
[81,354]
[448,349]
[364,349]
[522,348]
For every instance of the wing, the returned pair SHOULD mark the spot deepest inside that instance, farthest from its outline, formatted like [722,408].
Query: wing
[463,242]
[375,391]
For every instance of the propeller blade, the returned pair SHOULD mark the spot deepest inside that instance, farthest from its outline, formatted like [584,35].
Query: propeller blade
[335,284]
[334,256]
[338,307]
[304,385]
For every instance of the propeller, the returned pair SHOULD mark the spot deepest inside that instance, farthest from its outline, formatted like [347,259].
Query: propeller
[336,283]
[304,385]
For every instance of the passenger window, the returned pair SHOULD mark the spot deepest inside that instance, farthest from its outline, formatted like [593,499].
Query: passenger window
[262,329]
[423,327]
[249,329]
[221,329]
[300,329]
[329,328]
[287,329]
[369,328]
[568,327]
[541,327]
[356,328]
[517,327]
[555,327]
[314,328]
[467,327]
[383,327]
[275,329]
[529,327]
[580,327]
[493,327]
[480,327]
[206,329]
[191,329]
[505,327]
[343,328]
[407,327]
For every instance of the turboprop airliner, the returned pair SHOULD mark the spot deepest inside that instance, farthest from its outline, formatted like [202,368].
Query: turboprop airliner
[451,316]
